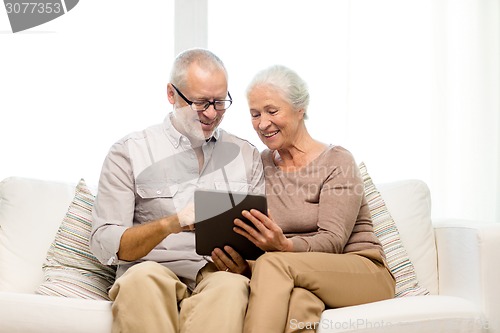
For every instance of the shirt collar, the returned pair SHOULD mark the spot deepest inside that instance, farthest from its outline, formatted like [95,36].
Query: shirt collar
[175,136]
[215,135]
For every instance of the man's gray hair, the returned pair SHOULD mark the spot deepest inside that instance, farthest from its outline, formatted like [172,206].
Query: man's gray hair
[202,57]
[292,87]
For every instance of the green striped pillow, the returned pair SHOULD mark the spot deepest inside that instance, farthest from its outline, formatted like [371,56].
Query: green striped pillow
[387,232]
[70,269]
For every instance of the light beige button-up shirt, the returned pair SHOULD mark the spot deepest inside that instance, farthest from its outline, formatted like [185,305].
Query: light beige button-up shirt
[154,173]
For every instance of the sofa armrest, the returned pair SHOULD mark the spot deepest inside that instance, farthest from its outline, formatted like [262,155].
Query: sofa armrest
[468,265]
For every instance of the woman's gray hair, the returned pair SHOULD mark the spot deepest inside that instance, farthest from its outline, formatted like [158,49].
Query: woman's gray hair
[288,82]
[202,57]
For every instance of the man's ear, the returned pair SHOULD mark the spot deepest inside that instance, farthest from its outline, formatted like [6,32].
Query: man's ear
[170,93]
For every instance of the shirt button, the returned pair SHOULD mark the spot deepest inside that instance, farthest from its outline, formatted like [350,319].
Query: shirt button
[158,192]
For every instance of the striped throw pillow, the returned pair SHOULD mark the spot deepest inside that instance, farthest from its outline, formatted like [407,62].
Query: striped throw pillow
[70,268]
[387,232]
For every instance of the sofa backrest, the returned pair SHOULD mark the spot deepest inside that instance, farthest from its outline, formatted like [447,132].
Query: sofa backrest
[30,214]
[409,203]
[32,210]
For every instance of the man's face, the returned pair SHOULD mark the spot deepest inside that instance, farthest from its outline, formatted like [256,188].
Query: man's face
[202,84]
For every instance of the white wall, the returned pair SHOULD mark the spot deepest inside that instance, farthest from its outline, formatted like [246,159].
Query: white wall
[410,87]
[73,86]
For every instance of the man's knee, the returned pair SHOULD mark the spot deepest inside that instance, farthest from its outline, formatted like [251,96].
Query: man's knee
[228,282]
[145,266]
[145,270]
[149,278]
[147,275]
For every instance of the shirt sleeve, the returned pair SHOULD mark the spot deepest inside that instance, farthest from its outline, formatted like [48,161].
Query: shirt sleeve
[257,180]
[339,206]
[113,210]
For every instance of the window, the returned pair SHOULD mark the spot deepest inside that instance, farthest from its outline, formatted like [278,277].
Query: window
[367,65]
[73,86]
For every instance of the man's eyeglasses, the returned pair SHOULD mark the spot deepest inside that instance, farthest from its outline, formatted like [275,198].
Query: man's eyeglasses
[200,106]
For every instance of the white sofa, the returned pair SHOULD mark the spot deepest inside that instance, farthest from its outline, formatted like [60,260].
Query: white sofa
[458,263]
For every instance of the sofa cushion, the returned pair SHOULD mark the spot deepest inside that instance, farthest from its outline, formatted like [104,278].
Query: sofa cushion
[71,269]
[29,313]
[30,213]
[419,314]
[409,202]
[387,232]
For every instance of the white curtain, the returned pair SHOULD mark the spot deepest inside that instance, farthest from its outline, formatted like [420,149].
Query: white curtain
[465,140]
[410,87]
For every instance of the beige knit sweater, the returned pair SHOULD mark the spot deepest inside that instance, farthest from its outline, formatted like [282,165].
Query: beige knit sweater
[321,206]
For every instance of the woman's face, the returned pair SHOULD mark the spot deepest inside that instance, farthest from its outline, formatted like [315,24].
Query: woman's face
[273,117]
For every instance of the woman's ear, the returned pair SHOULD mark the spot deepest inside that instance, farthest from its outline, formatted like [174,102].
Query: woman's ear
[170,93]
[302,113]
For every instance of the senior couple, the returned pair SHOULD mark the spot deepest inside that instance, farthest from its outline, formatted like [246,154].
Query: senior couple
[321,251]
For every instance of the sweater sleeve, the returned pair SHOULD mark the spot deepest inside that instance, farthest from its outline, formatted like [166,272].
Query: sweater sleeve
[340,199]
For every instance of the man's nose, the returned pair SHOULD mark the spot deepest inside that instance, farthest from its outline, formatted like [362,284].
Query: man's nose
[210,112]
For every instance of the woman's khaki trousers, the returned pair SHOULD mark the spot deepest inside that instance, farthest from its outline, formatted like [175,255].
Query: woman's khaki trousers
[289,291]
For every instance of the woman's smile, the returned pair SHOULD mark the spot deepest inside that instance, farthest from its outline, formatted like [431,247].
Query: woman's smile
[269,134]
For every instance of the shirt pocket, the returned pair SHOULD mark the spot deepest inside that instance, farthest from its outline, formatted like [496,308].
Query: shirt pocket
[155,200]
[241,187]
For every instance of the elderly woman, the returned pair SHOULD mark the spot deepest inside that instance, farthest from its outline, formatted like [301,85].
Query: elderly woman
[321,248]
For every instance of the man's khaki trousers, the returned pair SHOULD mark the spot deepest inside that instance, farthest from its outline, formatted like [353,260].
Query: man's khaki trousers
[150,298]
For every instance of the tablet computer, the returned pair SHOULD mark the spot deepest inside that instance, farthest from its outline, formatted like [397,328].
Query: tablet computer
[215,212]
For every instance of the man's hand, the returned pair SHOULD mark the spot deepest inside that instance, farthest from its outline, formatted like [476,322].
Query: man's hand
[230,261]
[186,217]
[139,240]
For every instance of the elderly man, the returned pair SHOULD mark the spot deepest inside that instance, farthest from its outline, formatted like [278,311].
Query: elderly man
[143,215]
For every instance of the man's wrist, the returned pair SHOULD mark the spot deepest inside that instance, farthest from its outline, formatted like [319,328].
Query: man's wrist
[170,224]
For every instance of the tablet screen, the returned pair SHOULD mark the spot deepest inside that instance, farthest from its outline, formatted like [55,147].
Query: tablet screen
[215,212]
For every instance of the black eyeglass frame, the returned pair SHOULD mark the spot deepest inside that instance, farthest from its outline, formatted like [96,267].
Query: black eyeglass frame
[207,103]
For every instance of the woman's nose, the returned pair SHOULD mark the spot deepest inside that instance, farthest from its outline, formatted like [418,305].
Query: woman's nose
[264,123]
